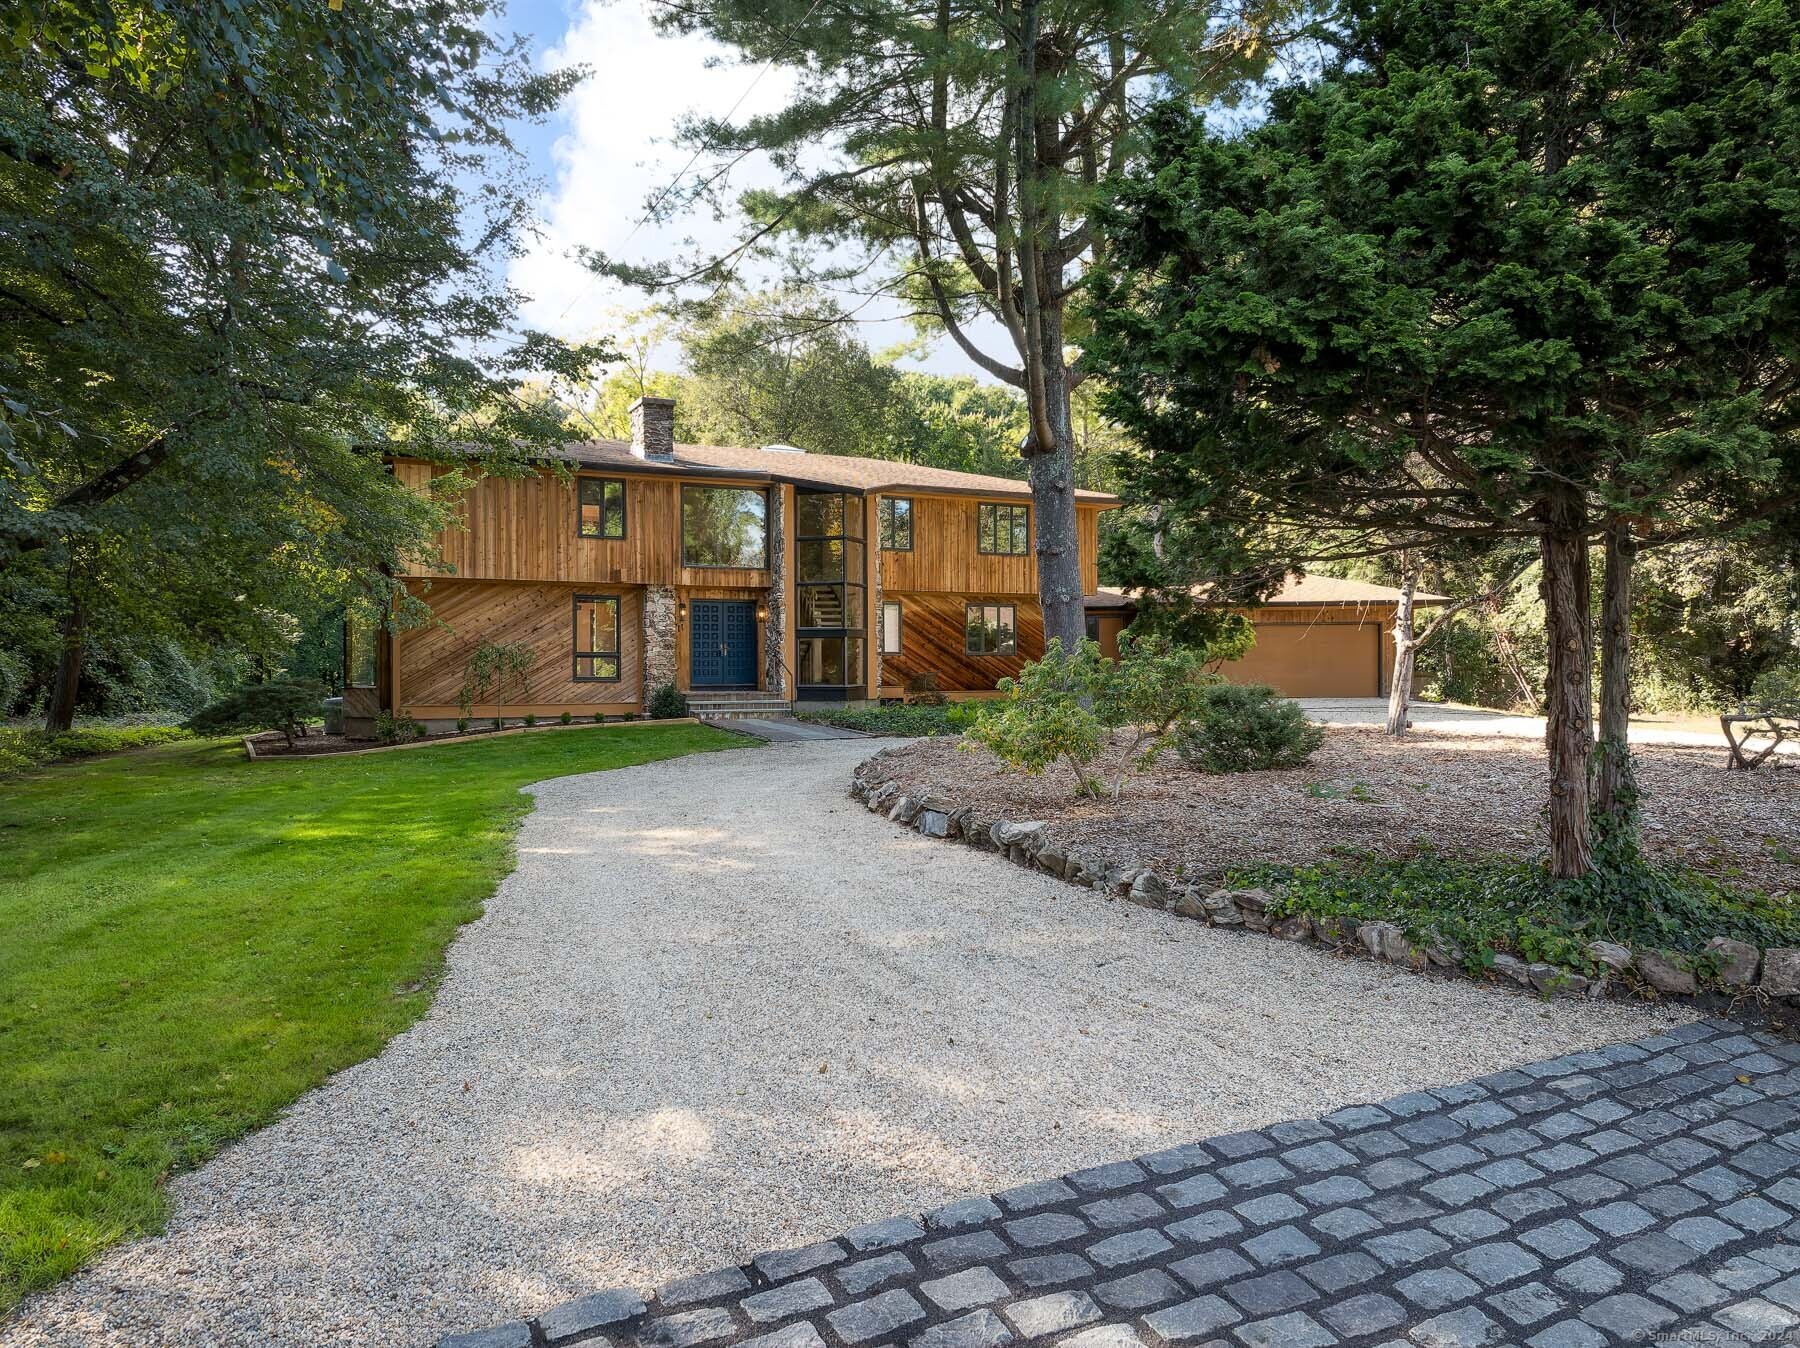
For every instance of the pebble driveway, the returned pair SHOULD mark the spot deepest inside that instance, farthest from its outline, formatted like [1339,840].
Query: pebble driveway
[1641,1191]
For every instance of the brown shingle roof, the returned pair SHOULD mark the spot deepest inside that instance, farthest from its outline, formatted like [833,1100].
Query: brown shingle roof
[825,470]
[1299,590]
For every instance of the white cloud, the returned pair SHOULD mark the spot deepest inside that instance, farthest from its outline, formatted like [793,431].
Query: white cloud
[617,149]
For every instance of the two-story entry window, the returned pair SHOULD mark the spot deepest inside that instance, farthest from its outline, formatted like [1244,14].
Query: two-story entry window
[830,572]
[602,507]
[596,638]
[1003,529]
[896,515]
[990,629]
[725,526]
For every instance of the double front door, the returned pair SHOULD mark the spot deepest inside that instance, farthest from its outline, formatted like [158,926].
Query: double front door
[722,641]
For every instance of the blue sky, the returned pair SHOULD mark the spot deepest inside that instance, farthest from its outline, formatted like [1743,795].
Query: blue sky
[608,149]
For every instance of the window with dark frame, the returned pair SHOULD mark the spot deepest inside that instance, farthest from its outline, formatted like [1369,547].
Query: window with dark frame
[596,638]
[359,653]
[990,629]
[830,569]
[724,527]
[1003,530]
[600,511]
[896,523]
[890,627]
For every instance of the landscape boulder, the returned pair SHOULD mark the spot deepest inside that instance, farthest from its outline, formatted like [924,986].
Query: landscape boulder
[1148,890]
[1781,973]
[1665,972]
[1610,953]
[1222,909]
[1737,961]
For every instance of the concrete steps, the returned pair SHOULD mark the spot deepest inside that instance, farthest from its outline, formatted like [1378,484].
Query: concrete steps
[723,705]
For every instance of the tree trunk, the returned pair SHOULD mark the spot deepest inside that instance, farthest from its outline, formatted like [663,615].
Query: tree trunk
[66,686]
[1405,653]
[1568,692]
[1615,793]
[1053,499]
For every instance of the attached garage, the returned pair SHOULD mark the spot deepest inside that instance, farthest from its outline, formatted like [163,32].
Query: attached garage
[1315,657]
[1319,637]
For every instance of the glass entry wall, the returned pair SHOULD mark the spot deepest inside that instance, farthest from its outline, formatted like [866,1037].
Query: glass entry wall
[830,613]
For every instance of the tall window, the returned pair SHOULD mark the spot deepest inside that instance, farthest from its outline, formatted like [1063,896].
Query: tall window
[601,513]
[724,526]
[890,628]
[359,653]
[596,638]
[829,572]
[1003,529]
[990,629]
[896,514]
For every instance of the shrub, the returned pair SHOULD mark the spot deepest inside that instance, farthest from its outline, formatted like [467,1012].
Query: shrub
[1246,727]
[23,749]
[667,702]
[530,718]
[462,725]
[917,720]
[1777,691]
[923,688]
[1046,716]
[281,704]
[391,729]
[599,717]
[1154,691]
[566,718]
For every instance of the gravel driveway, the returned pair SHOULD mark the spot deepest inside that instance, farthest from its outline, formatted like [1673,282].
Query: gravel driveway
[719,1009]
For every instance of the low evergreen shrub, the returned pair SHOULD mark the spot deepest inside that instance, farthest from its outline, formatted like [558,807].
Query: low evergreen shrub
[667,702]
[1246,727]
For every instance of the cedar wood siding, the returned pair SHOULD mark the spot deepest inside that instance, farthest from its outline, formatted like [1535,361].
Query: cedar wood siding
[516,562]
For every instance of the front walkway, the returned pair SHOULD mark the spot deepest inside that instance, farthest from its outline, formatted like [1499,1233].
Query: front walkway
[720,1008]
[1644,1189]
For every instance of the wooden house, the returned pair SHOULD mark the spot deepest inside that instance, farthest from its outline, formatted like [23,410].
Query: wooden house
[751,579]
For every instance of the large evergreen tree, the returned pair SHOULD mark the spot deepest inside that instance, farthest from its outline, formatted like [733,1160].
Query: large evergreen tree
[958,148]
[1506,270]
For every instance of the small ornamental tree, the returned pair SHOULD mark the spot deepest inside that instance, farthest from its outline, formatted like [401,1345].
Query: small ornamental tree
[1501,272]
[1155,689]
[1047,716]
[493,666]
[281,704]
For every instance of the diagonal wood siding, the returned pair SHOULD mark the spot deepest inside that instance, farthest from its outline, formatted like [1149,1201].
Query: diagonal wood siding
[432,659]
[932,638]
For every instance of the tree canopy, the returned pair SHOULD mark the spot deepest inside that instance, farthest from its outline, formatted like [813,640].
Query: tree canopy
[245,247]
[1503,271]
[951,153]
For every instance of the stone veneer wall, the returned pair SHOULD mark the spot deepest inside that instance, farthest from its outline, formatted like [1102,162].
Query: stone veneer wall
[775,678]
[659,638]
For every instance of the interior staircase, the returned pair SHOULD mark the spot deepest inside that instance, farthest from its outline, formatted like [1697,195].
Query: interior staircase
[715,704]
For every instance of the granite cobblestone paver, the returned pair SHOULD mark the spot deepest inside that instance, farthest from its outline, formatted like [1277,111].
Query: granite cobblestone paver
[1645,1190]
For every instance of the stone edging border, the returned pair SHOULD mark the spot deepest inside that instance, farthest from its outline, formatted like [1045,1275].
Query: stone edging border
[436,740]
[1740,968]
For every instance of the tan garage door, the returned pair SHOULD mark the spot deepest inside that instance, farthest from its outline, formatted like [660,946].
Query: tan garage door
[1313,659]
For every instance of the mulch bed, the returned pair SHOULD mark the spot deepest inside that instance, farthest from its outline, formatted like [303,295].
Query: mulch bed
[1364,792]
[271,743]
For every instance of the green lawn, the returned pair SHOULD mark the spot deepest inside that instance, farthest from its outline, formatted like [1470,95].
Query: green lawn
[188,941]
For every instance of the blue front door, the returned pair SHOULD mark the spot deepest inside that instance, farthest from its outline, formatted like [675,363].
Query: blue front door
[722,638]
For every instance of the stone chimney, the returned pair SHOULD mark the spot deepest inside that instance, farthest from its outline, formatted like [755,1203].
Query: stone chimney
[653,429]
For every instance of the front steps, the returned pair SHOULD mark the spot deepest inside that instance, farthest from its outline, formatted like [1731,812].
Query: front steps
[723,704]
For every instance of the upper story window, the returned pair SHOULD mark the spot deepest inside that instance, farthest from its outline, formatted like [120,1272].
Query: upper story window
[601,510]
[725,526]
[990,629]
[1003,529]
[896,523]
